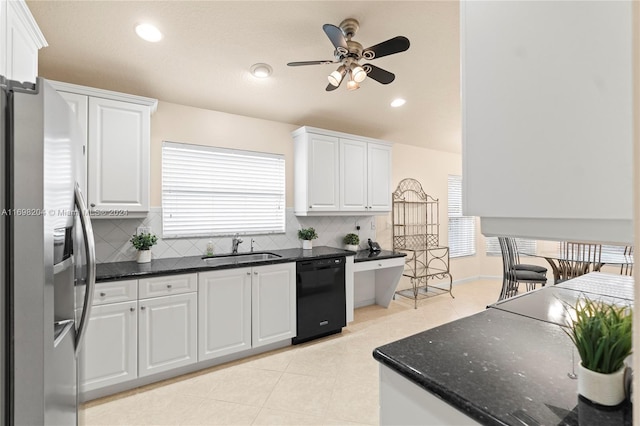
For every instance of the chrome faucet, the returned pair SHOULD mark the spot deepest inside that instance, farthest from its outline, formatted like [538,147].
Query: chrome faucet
[234,244]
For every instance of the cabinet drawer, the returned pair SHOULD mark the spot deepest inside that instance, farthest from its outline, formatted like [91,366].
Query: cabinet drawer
[168,285]
[378,264]
[110,292]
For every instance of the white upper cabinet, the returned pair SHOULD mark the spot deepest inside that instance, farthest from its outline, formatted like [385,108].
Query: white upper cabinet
[338,173]
[20,40]
[547,118]
[118,135]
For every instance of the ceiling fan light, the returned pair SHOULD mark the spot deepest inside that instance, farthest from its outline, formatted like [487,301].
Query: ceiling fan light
[335,78]
[148,32]
[352,85]
[359,74]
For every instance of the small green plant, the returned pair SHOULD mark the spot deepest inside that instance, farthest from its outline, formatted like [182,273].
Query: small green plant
[307,234]
[601,333]
[351,239]
[143,241]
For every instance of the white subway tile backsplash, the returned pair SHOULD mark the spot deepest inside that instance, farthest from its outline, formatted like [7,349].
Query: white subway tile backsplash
[112,236]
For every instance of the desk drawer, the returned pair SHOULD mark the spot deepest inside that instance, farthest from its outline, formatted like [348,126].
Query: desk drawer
[110,292]
[378,264]
[167,285]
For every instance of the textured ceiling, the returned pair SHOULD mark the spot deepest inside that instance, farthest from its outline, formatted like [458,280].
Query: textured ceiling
[208,47]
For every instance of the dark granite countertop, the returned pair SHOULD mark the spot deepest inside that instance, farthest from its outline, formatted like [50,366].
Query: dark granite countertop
[500,368]
[366,255]
[181,265]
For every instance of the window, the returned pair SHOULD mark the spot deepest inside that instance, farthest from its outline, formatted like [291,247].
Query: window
[462,229]
[210,191]
[524,246]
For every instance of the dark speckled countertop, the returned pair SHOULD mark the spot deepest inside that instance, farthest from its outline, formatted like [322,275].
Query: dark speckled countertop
[181,265]
[500,368]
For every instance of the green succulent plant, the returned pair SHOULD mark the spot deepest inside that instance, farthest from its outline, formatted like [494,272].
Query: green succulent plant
[351,239]
[307,234]
[143,241]
[602,334]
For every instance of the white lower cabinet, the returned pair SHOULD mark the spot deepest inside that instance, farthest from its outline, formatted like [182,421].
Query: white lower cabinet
[273,304]
[224,306]
[109,354]
[167,333]
[244,308]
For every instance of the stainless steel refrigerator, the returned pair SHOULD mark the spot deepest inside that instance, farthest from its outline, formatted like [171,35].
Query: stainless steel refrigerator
[46,251]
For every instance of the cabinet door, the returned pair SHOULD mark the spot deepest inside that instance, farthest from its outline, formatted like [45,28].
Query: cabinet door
[547,143]
[353,175]
[323,173]
[109,354]
[273,301]
[167,333]
[80,106]
[118,155]
[379,177]
[224,312]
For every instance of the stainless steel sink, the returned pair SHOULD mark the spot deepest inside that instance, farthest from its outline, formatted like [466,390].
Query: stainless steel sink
[232,259]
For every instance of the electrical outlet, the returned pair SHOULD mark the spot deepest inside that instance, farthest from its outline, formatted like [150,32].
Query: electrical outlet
[143,230]
[373,225]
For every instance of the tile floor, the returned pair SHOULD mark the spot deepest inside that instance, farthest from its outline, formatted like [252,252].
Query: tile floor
[330,381]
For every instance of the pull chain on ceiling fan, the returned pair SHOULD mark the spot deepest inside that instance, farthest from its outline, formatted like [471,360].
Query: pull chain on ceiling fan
[348,53]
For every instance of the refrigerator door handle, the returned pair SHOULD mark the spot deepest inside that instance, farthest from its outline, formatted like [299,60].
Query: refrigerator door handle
[89,244]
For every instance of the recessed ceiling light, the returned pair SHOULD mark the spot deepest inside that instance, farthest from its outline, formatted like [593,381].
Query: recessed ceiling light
[148,32]
[261,70]
[398,102]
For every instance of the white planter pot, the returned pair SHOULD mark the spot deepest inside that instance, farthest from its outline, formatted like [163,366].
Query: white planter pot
[144,256]
[603,389]
[351,247]
[307,244]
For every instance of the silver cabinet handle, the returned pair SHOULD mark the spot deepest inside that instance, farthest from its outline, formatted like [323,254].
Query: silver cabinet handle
[255,273]
[142,308]
[132,309]
[310,207]
[90,248]
[169,285]
[248,273]
[379,264]
[93,204]
[103,294]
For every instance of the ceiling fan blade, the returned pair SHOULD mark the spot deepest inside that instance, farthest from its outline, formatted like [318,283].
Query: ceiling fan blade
[297,64]
[389,47]
[378,74]
[336,36]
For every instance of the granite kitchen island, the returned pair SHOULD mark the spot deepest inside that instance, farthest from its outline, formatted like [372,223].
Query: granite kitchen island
[499,367]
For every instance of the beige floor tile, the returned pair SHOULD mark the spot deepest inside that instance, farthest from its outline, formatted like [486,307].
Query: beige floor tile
[356,402]
[268,416]
[246,386]
[302,394]
[212,412]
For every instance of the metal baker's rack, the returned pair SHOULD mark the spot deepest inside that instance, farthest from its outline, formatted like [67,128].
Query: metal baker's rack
[416,231]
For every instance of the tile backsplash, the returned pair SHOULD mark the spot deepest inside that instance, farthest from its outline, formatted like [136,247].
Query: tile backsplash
[112,236]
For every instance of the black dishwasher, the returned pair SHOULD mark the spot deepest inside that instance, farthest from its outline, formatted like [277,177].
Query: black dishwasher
[321,300]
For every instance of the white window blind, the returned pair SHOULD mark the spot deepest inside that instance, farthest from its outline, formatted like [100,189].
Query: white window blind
[210,191]
[462,229]
[492,246]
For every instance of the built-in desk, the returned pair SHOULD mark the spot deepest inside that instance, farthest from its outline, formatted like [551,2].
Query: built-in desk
[376,276]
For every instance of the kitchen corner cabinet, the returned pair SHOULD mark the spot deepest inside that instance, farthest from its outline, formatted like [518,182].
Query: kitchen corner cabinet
[245,307]
[20,40]
[548,119]
[118,134]
[337,173]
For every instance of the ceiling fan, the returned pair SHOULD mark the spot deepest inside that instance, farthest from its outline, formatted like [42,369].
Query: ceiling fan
[348,53]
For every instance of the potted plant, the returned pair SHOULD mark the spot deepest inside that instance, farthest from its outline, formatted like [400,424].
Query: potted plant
[602,335]
[143,243]
[351,242]
[306,235]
